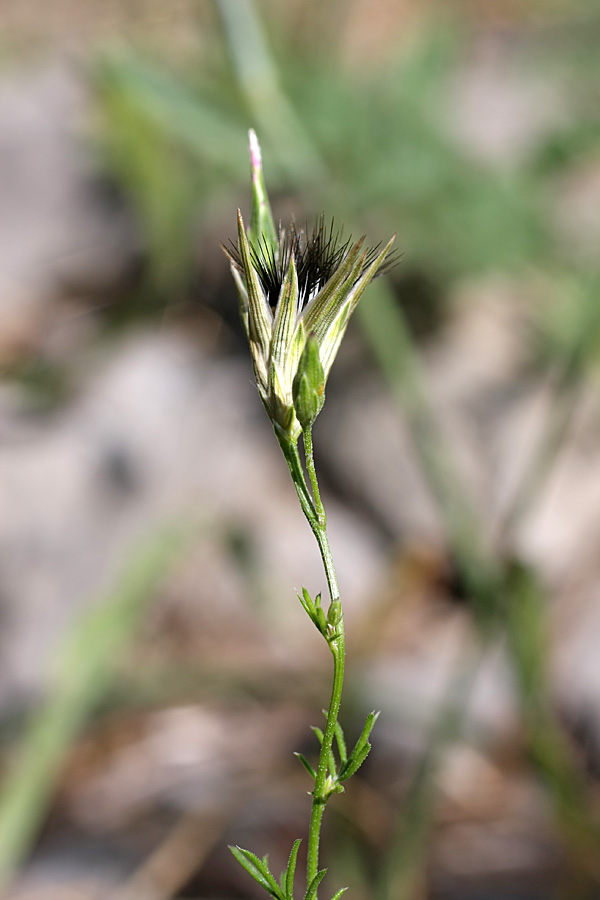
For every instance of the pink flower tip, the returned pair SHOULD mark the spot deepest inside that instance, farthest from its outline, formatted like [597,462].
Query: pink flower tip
[255,155]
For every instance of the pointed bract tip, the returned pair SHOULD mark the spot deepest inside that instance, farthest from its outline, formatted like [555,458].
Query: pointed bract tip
[255,154]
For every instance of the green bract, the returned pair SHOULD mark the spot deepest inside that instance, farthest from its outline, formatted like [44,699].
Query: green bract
[293,284]
[308,387]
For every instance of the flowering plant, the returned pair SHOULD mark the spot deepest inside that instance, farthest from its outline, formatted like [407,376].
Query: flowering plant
[293,285]
[297,292]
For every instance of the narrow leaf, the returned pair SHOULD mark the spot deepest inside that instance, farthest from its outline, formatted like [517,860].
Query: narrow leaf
[332,764]
[291,870]
[259,869]
[341,743]
[306,765]
[307,604]
[249,866]
[366,732]
[306,601]
[339,893]
[314,611]
[321,621]
[318,733]
[357,758]
[311,891]
[274,887]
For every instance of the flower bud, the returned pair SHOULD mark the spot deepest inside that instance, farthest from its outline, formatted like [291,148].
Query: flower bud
[293,282]
[309,384]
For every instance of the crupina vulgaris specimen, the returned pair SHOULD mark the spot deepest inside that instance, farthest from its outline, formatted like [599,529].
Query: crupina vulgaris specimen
[297,290]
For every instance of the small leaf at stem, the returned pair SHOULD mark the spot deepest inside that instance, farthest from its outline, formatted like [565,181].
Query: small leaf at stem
[318,733]
[354,762]
[311,891]
[366,732]
[259,869]
[332,765]
[321,622]
[339,893]
[249,866]
[341,743]
[313,609]
[307,603]
[307,765]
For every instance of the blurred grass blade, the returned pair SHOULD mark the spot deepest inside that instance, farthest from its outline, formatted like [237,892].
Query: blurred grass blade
[393,347]
[527,632]
[404,864]
[212,135]
[273,114]
[576,356]
[85,667]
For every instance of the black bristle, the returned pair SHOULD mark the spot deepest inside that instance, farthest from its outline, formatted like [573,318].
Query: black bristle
[317,256]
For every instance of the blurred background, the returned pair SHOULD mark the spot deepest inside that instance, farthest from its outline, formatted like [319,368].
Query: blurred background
[157,669]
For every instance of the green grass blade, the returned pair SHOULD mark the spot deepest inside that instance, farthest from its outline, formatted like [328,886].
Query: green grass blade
[86,666]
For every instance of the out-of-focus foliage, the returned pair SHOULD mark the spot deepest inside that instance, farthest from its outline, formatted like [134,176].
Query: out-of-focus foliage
[373,144]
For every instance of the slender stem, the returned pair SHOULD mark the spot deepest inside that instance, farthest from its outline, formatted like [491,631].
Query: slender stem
[292,458]
[312,474]
[320,793]
[315,514]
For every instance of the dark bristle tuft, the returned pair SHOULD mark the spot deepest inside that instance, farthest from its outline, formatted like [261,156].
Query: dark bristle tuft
[317,255]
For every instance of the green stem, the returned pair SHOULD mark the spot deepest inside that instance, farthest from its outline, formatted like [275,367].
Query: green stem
[312,474]
[292,458]
[315,514]
[320,793]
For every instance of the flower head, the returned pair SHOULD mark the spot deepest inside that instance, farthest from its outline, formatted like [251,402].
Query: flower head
[293,284]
